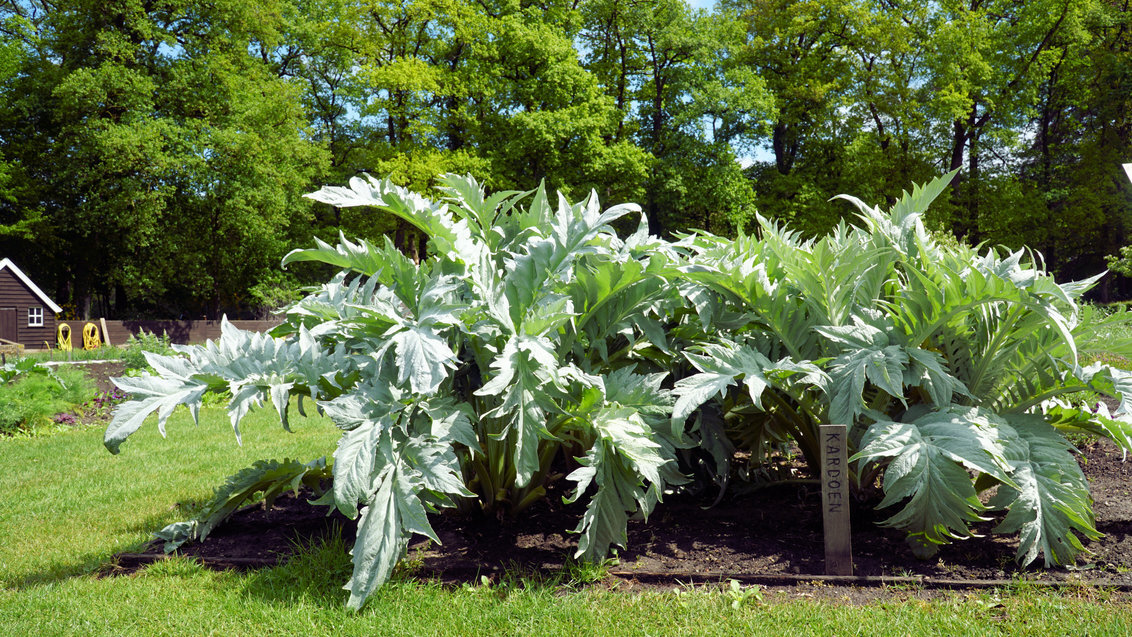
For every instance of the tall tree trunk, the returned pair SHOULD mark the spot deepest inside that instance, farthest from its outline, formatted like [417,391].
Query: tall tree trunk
[973,187]
[958,144]
[785,149]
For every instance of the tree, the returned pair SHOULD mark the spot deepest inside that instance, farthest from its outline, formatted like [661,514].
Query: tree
[1084,134]
[167,160]
[683,98]
[800,50]
[987,61]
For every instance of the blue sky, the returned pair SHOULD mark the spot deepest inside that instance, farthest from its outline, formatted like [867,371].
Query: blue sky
[701,4]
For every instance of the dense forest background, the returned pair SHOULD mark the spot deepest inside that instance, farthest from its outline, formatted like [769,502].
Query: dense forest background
[153,153]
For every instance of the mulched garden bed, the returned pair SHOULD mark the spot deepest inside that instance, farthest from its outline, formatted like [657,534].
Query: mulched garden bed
[772,536]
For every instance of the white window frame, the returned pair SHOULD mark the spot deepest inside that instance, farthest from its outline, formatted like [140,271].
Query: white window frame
[35,317]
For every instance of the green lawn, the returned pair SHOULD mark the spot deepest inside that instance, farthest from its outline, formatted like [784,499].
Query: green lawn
[69,505]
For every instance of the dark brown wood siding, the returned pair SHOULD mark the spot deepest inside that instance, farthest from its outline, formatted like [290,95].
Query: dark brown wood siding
[13,293]
[182,332]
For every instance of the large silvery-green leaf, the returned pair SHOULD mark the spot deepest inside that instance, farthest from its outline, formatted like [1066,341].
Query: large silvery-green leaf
[450,237]
[423,358]
[450,421]
[928,369]
[362,452]
[902,226]
[641,392]
[1048,502]
[381,540]
[1095,419]
[727,363]
[525,370]
[721,366]
[884,368]
[1113,382]
[387,262]
[631,468]
[611,295]
[928,459]
[151,394]
[868,355]
[269,477]
[252,366]
[398,484]
[468,200]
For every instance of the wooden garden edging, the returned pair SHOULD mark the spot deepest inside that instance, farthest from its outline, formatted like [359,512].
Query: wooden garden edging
[133,561]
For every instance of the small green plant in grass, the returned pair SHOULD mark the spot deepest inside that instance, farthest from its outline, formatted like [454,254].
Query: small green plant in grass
[580,573]
[103,353]
[413,563]
[319,565]
[741,595]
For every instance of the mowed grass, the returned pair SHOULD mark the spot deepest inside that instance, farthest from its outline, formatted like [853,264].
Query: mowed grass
[68,506]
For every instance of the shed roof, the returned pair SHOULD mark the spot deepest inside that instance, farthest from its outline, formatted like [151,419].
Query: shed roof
[7,264]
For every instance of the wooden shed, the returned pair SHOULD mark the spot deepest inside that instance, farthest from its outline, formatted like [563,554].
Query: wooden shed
[27,316]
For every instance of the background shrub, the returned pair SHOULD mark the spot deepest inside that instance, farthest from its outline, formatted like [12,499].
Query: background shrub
[32,399]
[133,353]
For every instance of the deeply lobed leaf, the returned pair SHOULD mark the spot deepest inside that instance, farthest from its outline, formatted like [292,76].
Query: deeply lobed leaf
[928,459]
[1048,500]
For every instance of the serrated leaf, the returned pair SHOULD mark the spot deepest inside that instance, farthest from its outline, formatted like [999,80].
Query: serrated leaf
[927,370]
[129,416]
[720,365]
[381,540]
[437,467]
[521,386]
[642,392]
[695,390]
[362,257]
[452,422]
[631,467]
[1049,501]
[884,368]
[928,459]
[358,458]
[264,476]
[423,358]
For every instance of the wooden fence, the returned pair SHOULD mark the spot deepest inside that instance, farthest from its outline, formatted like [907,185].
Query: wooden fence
[183,332]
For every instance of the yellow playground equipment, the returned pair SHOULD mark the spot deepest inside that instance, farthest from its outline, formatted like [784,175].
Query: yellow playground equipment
[90,336]
[63,337]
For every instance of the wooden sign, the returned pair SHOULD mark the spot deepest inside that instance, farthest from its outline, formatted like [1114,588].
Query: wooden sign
[835,500]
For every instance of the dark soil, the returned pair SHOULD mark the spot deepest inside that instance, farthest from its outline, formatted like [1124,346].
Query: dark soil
[772,536]
[102,371]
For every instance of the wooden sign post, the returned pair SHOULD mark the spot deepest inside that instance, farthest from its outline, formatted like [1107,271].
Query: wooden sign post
[835,500]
